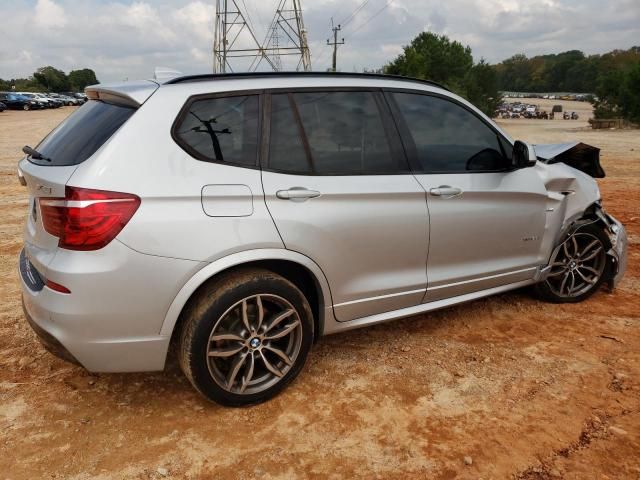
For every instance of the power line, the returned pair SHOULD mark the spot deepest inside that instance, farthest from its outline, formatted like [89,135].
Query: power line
[350,18]
[372,17]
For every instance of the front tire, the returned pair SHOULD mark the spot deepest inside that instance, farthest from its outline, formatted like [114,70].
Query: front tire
[578,268]
[245,337]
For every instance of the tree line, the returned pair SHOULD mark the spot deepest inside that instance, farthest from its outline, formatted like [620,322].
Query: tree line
[613,77]
[51,79]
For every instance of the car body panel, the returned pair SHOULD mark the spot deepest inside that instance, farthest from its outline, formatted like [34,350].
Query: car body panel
[243,258]
[170,184]
[488,235]
[101,333]
[369,234]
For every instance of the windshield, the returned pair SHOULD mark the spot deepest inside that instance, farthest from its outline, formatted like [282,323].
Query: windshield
[82,133]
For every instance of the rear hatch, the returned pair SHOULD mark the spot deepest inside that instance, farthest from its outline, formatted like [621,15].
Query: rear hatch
[72,142]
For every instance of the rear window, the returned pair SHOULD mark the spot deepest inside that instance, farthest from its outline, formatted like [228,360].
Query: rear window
[82,133]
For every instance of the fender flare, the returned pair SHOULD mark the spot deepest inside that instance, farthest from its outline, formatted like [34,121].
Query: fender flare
[238,259]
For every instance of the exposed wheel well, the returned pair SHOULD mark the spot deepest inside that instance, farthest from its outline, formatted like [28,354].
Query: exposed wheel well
[297,274]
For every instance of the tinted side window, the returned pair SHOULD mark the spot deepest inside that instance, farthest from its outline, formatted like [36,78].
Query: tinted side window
[449,138]
[82,133]
[223,129]
[286,150]
[344,132]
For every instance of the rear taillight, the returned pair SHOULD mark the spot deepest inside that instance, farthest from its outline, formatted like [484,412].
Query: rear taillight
[87,219]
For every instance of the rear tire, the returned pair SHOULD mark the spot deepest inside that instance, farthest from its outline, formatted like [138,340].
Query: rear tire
[578,269]
[26,107]
[245,337]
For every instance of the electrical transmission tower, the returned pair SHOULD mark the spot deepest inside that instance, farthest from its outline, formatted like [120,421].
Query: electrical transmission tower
[235,38]
[275,43]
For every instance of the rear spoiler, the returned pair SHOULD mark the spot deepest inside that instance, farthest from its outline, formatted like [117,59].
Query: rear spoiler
[578,155]
[128,94]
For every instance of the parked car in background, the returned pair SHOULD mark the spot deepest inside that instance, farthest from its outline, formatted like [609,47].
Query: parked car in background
[3,107]
[284,207]
[57,98]
[15,101]
[41,102]
[79,97]
[43,98]
[51,102]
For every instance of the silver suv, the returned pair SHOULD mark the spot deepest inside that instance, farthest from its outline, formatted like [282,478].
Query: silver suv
[241,217]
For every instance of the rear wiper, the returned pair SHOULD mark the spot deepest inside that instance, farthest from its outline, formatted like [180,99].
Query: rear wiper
[33,153]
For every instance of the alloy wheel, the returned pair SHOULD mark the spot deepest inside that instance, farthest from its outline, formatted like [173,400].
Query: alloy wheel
[578,265]
[254,344]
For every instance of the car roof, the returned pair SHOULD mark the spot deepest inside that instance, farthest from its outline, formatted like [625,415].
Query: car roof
[332,75]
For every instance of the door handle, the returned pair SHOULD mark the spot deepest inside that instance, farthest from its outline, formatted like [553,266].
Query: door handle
[298,194]
[445,191]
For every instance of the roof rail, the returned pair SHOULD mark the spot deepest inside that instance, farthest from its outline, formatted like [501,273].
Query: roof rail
[213,76]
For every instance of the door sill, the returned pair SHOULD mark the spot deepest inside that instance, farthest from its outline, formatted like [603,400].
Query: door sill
[335,326]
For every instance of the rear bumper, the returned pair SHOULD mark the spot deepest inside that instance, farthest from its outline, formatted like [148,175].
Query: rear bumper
[47,340]
[111,321]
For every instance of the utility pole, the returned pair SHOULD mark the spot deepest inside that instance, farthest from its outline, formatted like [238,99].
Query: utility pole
[335,44]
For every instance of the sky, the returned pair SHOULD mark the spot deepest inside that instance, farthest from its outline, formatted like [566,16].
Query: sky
[127,39]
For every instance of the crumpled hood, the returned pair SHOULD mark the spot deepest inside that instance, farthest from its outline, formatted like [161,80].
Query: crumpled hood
[578,155]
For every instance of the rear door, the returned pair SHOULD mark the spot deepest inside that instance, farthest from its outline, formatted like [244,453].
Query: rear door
[338,186]
[69,144]
[487,220]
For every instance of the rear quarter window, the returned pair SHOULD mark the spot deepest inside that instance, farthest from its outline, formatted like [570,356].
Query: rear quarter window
[82,133]
[220,129]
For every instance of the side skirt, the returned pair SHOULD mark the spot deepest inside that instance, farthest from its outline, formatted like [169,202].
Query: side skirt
[335,327]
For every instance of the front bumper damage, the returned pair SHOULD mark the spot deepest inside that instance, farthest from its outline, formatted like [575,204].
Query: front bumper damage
[616,255]
[619,244]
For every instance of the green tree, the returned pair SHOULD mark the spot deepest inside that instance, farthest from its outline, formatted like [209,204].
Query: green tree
[51,79]
[630,94]
[619,94]
[80,79]
[435,57]
[481,87]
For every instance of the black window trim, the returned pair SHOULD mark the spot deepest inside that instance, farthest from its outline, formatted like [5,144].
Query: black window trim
[391,131]
[407,138]
[184,111]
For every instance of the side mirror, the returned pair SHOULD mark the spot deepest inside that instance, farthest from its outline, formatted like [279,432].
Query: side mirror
[524,155]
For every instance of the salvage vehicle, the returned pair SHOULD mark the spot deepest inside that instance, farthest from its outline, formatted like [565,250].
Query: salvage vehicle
[240,217]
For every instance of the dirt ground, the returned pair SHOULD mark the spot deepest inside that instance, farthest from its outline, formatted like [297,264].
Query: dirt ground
[505,387]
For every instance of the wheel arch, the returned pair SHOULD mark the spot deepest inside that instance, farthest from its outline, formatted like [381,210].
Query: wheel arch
[295,267]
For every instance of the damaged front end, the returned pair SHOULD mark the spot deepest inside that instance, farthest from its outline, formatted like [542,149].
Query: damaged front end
[615,231]
[617,254]
[578,155]
[574,201]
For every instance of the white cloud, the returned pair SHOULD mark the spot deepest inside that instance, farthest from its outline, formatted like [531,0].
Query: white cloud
[48,14]
[128,38]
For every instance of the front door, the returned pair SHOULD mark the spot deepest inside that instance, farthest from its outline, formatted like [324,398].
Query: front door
[340,192]
[487,220]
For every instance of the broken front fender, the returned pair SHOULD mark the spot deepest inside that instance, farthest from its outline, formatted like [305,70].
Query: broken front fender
[578,155]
